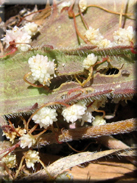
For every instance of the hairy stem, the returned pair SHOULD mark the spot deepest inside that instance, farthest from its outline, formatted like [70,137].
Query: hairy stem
[124,126]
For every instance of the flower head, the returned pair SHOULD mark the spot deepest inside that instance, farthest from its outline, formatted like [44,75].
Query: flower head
[93,35]
[105,43]
[13,134]
[9,160]
[87,117]
[99,120]
[89,61]
[27,140]
[74,112]
[10,36]
[45,117]
[83,5]
[31,28]
[124,36]
[42,69]
[31,157]
[18,36]
[23,41]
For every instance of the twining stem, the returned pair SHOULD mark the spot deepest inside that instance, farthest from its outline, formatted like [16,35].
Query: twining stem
[38,86]
[9,149]
[39,134]
[87,80]
[77,150]
[97,110]
[121,13]
[46,170]
[32,129]
[20,166]
[83,19]
[110,11]
[105,9]
[71,14]
[125,126]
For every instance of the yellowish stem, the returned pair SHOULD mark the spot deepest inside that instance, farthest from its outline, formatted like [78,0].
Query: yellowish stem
[32,129]
[51,178]
[121,13]
[38,86]
[17,172]
[38,135]
[87,80]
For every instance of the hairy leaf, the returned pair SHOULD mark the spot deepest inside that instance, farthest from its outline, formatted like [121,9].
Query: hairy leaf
[16,96]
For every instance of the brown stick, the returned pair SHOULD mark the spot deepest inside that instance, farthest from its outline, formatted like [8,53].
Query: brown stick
[113,143]
[124,126]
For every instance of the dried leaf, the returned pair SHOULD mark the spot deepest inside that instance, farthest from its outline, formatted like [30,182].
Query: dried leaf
[68,162]
[104,170]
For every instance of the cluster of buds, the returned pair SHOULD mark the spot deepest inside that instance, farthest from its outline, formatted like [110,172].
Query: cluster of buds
[42,69]
[21,36]
[121,37]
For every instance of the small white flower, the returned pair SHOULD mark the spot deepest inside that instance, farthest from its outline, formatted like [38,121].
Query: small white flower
[83,5]
[124,36]
[74,112]
[89,61]
[99,121]
[95,105]
[31,157]
[11,135]
[27,140]
[9,160]
[21,38]
[105,43]
[31,28]
[87,117]
[10,36]
[42,69]
[45,117]
[93,35]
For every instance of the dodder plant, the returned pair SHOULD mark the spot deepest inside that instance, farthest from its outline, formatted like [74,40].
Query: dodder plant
[63,77]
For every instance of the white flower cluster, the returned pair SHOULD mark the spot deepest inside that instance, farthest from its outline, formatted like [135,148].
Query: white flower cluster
[31,28]
[42,69]
[27,140]
[89,61]
[45,117]
[31,157]
[21,36]
[13,134]
[75,112]
[99,120]
[95,38]
[105,43]
[9,160]
[87,117]
[93,35]
[121,37]
[124,36]
[83,5]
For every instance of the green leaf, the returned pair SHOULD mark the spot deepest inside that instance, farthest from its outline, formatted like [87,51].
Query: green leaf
[17,97]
